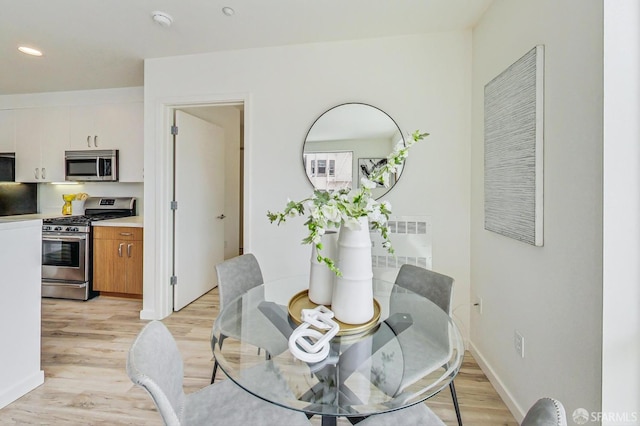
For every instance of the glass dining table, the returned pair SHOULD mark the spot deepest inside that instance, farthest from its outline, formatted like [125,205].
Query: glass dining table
[409,354]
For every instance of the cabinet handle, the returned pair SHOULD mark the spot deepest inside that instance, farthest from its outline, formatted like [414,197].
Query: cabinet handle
[37,173]
[89,141]
[126,234]
[120,249]
[129,249]
[44,173]
[95,141]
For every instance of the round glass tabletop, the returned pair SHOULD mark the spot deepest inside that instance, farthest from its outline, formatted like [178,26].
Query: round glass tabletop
[413,352]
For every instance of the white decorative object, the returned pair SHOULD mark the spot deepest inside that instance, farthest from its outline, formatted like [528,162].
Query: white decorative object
[353,292]
[513,150]
[77,207]
[310,345]
[321,278]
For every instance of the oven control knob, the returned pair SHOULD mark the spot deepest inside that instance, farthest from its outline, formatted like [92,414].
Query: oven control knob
[72,229]
[58,228]
[46,228]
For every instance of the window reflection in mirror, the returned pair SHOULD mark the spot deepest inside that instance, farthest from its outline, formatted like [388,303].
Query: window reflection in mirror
[329,170]
[345,143]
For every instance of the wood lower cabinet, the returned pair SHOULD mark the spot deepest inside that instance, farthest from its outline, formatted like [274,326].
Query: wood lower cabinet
[117,259]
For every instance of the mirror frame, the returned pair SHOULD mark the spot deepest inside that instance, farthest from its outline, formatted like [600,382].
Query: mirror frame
[355,180]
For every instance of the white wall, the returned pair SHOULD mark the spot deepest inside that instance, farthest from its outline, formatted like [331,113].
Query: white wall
[422,82]
[621,292]
[74,97]
[553,294]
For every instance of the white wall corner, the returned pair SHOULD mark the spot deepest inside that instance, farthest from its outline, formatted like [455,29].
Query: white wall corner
[507,397]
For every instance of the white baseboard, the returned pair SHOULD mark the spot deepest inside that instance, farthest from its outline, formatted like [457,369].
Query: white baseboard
[148,314]
[7,396]
[502,390]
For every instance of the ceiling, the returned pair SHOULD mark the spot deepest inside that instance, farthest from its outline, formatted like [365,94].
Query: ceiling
[93,44]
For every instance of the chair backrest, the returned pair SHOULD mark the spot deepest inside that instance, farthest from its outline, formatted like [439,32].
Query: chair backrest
[434,286]
[237,276]
[546,412]
[154,362]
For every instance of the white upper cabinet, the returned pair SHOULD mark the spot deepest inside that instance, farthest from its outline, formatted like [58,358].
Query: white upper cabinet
[7,131]
[42,135]
[111,126]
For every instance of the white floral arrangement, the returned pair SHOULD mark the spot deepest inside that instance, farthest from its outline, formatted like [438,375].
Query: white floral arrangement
[331,209]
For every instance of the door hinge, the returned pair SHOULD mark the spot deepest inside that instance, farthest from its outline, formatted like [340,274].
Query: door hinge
[173,280]
[174,205]
[174,130]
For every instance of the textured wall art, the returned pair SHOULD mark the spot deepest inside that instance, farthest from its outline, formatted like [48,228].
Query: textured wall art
[513,150]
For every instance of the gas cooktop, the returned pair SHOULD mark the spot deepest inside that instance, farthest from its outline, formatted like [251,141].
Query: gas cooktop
[96,208]
[82,220]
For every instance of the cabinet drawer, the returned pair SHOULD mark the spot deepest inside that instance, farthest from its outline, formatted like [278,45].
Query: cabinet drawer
[125,233]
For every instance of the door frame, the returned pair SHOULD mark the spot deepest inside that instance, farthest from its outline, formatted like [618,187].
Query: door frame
[157,299]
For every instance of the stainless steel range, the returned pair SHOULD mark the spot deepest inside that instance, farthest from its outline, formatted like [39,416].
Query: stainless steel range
[67,259]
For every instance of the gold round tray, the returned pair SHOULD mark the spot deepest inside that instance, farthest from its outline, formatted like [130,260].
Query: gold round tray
[301,301]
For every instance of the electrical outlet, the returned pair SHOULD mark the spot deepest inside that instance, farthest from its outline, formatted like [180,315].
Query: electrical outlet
[478,304]
[518,343]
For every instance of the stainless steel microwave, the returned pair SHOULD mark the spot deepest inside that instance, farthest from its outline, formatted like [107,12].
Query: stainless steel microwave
[91,165]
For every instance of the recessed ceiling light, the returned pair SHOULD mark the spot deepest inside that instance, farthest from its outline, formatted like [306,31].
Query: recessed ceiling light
[228,11]
[30,51]
[162,18]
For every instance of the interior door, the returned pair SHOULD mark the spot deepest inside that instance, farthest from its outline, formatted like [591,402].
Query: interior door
[199,191]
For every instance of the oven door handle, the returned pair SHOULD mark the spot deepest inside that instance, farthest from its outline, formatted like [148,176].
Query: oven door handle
[51,284]
[64,239]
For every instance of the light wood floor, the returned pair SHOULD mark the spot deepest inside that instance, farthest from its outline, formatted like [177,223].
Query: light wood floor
[84,347]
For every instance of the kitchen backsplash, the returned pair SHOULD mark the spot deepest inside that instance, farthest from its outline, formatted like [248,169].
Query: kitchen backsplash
[50,195]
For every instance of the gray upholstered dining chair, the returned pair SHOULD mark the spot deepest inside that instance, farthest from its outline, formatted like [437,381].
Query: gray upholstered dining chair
[154,363]
[436,287]
[546,412]
[236,276]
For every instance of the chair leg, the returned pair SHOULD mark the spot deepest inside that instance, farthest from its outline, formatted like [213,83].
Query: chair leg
[215,369]
[455,402]
[215,363]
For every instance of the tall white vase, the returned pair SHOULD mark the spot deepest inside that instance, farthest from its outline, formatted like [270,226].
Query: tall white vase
[321,278]
[353,292]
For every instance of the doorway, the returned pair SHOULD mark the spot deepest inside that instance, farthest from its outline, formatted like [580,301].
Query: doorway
[207,185]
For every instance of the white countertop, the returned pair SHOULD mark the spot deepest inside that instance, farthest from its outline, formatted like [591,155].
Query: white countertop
[130,221]
[21,217]
[20,222]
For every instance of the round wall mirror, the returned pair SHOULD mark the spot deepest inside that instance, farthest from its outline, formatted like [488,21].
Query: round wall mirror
[346,143]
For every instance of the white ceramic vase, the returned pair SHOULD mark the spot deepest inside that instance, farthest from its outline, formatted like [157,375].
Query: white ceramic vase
[321,278]
[353,292]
